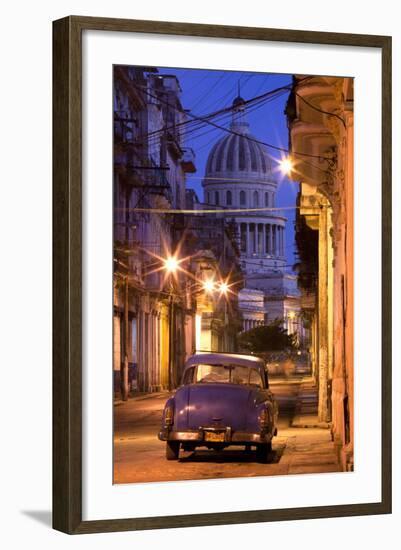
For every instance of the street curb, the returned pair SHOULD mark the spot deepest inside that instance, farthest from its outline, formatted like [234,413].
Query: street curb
[142,397]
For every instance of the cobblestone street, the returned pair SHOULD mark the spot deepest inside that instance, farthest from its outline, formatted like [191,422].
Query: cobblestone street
[302,445]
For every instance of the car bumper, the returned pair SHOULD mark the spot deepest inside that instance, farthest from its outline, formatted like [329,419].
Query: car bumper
[230,437]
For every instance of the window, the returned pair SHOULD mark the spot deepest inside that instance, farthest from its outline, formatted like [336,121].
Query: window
[216,198]
[229,198]
[188,376]
[255,378]
[228,374]
[255,198]
[242,198]
[266,198]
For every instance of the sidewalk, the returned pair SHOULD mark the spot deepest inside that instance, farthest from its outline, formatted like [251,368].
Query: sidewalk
[141,396]
[306,409]
[309,447]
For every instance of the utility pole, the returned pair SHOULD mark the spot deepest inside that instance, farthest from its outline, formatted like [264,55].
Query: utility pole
[170,340]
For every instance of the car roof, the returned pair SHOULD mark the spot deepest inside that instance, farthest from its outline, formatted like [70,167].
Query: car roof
[214,358]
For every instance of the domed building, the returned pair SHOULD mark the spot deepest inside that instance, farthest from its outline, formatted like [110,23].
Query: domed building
[239,176]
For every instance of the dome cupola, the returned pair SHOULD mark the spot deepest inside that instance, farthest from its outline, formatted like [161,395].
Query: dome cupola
[237,153]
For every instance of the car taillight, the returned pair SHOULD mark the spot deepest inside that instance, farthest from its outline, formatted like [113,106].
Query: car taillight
[169,415]
[264,418]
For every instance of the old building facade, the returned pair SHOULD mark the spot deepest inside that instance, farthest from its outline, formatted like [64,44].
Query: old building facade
[320,116]
[211,242]
[161,316]
[150,166]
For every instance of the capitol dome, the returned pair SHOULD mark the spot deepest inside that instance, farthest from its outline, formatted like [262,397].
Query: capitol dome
[239,184]
[239,176]
[236,153]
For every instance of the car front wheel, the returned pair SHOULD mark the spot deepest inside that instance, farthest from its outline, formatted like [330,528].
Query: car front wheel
[263,452]
[172,450]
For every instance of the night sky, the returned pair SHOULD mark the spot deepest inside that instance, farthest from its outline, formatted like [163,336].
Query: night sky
[205,91]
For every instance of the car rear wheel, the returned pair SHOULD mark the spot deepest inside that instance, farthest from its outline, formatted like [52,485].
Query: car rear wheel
[172,450]
[263,452]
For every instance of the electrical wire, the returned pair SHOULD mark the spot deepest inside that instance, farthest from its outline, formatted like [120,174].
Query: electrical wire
[320,110]
[196,131]
[204,118]
[231,211]
[249,138]
[221,114]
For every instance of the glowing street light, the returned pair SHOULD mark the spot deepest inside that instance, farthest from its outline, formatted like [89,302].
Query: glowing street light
[223,287]
[171,264]
[286,166]
[208,285]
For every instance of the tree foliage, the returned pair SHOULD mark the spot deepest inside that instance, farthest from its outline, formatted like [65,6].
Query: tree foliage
[272,337]
[306,240]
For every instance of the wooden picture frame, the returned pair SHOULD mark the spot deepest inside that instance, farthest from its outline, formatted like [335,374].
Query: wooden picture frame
[67,274]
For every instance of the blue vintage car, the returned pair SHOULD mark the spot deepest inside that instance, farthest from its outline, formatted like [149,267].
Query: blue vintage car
[224,400]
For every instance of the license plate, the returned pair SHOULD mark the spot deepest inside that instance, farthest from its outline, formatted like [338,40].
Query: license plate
[214,436]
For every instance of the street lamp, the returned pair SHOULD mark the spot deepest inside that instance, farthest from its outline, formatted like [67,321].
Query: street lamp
[209,285]
[171,264]
[223,288]
[286,166]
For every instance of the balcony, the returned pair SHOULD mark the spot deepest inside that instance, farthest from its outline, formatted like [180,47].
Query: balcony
[188,160]
[173,142]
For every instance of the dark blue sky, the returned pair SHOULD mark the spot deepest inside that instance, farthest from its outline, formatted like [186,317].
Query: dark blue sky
[205,91]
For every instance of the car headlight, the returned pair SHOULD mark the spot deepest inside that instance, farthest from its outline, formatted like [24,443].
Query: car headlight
[169,414]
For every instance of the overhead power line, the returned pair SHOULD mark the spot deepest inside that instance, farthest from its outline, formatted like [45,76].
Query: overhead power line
[205,118]
[200,120]
[212,211]
[249,138]
[195,127]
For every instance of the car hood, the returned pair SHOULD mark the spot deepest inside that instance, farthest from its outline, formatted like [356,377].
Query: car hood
[215,405]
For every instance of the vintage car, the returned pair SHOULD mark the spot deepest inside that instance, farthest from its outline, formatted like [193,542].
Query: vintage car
[224,400]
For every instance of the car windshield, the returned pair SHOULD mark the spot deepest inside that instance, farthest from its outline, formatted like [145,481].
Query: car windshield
[226,374]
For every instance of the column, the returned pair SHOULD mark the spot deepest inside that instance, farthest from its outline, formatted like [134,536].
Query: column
[157,341]
[323,316]
[278,240]
[248,241]
[251,240]
[274,239]
[270,238]
[264,251]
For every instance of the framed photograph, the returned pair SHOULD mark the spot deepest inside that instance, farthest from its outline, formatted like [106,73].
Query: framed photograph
[222,275]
